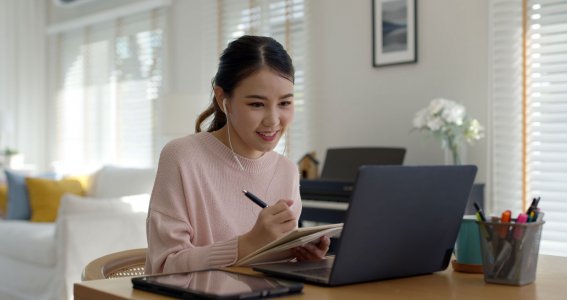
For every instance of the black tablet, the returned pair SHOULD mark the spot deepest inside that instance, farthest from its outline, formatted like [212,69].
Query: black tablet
[215,284]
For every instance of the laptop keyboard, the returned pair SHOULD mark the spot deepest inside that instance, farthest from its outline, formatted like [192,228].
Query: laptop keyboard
[319,272]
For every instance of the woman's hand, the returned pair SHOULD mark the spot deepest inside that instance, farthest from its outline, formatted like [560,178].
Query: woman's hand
[273,222]
[313,251]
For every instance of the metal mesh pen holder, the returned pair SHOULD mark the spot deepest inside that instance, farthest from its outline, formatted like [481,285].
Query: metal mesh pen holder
[510,251]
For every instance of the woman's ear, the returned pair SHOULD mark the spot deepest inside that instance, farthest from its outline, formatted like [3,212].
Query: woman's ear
[219,95]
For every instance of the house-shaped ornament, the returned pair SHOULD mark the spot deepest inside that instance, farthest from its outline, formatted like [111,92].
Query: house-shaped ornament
[309,166]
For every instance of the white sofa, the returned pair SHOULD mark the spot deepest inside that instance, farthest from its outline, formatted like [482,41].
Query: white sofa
[43,260]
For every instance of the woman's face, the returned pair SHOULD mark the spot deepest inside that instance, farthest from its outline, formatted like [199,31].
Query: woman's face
[259,111]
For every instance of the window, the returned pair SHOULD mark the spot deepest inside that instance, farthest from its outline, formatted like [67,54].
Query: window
[529,104]
[109,76]
[285,21]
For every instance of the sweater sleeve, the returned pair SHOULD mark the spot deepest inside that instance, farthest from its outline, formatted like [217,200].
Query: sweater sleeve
[170,249]
[169,230]
[296,195]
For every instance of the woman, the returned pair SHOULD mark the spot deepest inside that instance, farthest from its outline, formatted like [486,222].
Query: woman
[198,216]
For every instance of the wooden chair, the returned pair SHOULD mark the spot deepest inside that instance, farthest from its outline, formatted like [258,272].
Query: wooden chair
[115,265]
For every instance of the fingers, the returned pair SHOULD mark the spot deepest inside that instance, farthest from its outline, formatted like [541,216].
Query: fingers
[281,205]
[313,251]
[306,253]
[275,221]
[279,213]
[324,243]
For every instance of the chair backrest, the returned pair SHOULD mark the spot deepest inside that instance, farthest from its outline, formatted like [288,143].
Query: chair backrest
[343,163]
[115,265]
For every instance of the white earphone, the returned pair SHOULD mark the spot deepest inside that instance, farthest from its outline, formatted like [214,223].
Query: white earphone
[229,141]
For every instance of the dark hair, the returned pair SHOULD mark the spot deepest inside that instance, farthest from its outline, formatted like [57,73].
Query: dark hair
[243,57]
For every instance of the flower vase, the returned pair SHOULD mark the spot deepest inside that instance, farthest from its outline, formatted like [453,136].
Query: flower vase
[454,151]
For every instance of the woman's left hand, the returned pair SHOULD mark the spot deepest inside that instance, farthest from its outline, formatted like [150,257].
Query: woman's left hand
[313,251]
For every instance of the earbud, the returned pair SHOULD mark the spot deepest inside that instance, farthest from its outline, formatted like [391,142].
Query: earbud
[228,132]
[224,106]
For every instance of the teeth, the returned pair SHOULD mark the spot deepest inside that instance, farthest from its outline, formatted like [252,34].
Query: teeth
[267,134]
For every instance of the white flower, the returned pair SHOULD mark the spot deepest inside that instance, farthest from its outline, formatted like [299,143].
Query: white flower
[420,118]
[435,123]
[448,120]
[436,106]
[474,131]
[454,113]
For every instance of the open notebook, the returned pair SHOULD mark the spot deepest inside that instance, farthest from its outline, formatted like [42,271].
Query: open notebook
[280,249]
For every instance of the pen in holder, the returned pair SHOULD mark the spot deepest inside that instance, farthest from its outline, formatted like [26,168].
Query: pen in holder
[510,251]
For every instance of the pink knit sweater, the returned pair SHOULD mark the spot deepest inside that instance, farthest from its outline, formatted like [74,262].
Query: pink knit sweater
[197,209]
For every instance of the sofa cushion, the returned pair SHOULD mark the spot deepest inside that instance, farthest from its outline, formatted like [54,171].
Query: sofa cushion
[73,204]
[18,201]
[3,199]
[45,196]
[84,179]
[112,181]
[18,207]
[29,242]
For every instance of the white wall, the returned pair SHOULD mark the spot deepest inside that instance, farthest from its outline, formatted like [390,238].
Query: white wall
[358,105]
[192,59]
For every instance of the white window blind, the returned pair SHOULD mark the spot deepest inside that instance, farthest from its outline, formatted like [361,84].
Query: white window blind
[109,79]
[285,21]
[506,107]
[537,125]
[547,116]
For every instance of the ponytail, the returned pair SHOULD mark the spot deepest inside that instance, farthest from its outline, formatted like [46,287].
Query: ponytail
[219,118]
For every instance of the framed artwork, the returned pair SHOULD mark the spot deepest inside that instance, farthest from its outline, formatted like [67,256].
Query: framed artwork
[394,30]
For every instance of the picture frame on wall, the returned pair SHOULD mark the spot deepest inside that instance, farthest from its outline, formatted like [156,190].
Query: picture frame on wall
[394,32]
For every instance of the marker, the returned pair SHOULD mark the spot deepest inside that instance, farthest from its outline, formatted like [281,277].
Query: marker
[479,212]
[532,216]
[519,231]
[539,217]
[255,199]
[506,216]
[503,257]
[533,206]
[485,230]
[503,229]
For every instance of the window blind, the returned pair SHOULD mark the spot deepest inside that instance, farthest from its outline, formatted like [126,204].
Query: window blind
[506,106]
[110,74]
[285,21]
[529,138]
[547,117]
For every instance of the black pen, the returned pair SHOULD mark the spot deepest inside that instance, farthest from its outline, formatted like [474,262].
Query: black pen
[255,199]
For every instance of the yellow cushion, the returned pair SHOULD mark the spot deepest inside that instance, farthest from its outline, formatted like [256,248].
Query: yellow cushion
[45,196]
[3,198]
[85,180]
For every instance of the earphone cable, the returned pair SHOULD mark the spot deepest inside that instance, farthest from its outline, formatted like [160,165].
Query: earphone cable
[230,144]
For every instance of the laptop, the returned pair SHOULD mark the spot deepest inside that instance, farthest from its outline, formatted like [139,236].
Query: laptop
[401,221]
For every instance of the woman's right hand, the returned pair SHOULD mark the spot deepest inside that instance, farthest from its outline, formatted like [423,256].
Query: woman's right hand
[273,222]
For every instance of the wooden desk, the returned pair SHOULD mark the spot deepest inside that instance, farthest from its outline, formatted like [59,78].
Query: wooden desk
[551,283]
